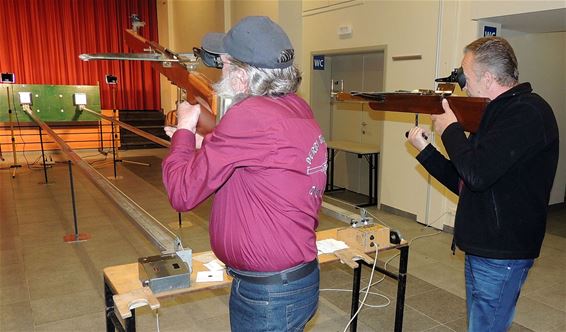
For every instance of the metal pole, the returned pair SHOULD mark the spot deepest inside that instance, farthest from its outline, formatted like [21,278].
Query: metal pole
[113,148]
[355,297]
[109,301]
[180,221]
[101,148]
[15,165]
[401,288]
[73,200]
[114,116]
[11,127]
[1,157]
[43,156]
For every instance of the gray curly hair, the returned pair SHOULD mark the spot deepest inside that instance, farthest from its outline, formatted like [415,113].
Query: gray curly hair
[262,81]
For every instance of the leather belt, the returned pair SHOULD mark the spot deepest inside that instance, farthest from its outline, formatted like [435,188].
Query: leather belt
[283,277]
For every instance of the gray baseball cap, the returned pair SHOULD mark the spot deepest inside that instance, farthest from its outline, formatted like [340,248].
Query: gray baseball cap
[255,40]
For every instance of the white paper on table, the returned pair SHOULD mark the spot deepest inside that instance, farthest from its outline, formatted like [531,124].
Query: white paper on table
[205,258]
[329,246]
[215,265]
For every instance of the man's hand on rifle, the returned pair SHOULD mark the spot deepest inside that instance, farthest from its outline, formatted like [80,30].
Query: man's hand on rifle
[170,130]
[417,136]
[187,116]
[442,121]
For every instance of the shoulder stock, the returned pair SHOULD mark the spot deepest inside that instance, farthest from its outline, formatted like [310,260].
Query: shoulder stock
[468,111]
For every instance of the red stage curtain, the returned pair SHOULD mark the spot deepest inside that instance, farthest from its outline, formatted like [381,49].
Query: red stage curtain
[40,42]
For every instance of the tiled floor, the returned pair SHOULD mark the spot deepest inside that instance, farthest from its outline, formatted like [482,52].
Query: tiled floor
[49,285]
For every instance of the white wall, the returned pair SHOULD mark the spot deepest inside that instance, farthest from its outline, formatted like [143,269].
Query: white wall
[243,8]
[482,8]
[548,78]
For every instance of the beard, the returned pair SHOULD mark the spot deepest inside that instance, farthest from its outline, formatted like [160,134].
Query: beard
[224,89]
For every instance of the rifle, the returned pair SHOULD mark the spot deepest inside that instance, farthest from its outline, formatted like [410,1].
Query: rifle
[178,68]
[198,88]
[468,110]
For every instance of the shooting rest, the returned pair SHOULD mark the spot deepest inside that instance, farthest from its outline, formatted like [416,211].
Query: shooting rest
[124,279]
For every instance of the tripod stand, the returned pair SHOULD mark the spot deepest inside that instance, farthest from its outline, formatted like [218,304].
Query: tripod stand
[15,165]
[115,157]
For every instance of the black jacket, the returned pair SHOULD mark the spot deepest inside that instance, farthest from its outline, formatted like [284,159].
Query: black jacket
[503,175]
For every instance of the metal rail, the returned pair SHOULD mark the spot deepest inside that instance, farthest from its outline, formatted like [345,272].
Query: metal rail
[160,235]
[131,128]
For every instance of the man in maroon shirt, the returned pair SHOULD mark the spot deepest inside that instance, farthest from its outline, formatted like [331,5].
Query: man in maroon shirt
[265,163]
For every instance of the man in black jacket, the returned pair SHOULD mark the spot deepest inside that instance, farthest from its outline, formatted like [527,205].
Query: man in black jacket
[503,175]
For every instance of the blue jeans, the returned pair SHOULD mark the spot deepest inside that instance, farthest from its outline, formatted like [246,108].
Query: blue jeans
[274,307]
[492,289]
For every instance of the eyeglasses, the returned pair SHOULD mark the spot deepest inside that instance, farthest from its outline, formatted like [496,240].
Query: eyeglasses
[209,59]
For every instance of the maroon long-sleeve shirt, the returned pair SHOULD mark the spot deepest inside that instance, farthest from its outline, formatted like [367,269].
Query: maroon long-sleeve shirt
[266,164]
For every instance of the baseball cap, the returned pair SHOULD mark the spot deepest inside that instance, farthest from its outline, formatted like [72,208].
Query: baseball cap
[255,40]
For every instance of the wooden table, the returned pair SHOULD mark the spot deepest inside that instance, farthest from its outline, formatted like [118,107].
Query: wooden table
[123,279]
[400,276]
[369,151]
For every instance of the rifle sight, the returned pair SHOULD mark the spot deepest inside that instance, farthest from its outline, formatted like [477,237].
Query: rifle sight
[457,76]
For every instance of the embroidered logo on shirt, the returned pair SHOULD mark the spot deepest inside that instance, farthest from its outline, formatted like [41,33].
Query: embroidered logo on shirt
[314,190]
[312,153]
[314,149]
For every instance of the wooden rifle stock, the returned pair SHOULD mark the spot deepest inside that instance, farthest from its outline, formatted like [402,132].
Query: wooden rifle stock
[468,110]
[197,86]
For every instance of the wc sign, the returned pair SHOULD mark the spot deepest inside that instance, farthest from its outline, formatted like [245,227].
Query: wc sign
[318,62]
[489,31]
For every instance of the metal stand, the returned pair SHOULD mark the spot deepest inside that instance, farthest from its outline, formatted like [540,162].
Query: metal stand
[112,321]
[76,237]
[43,156]
[1,156]
[180,224]
[115,157]
[101,138]
[15,165]
[400,276]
